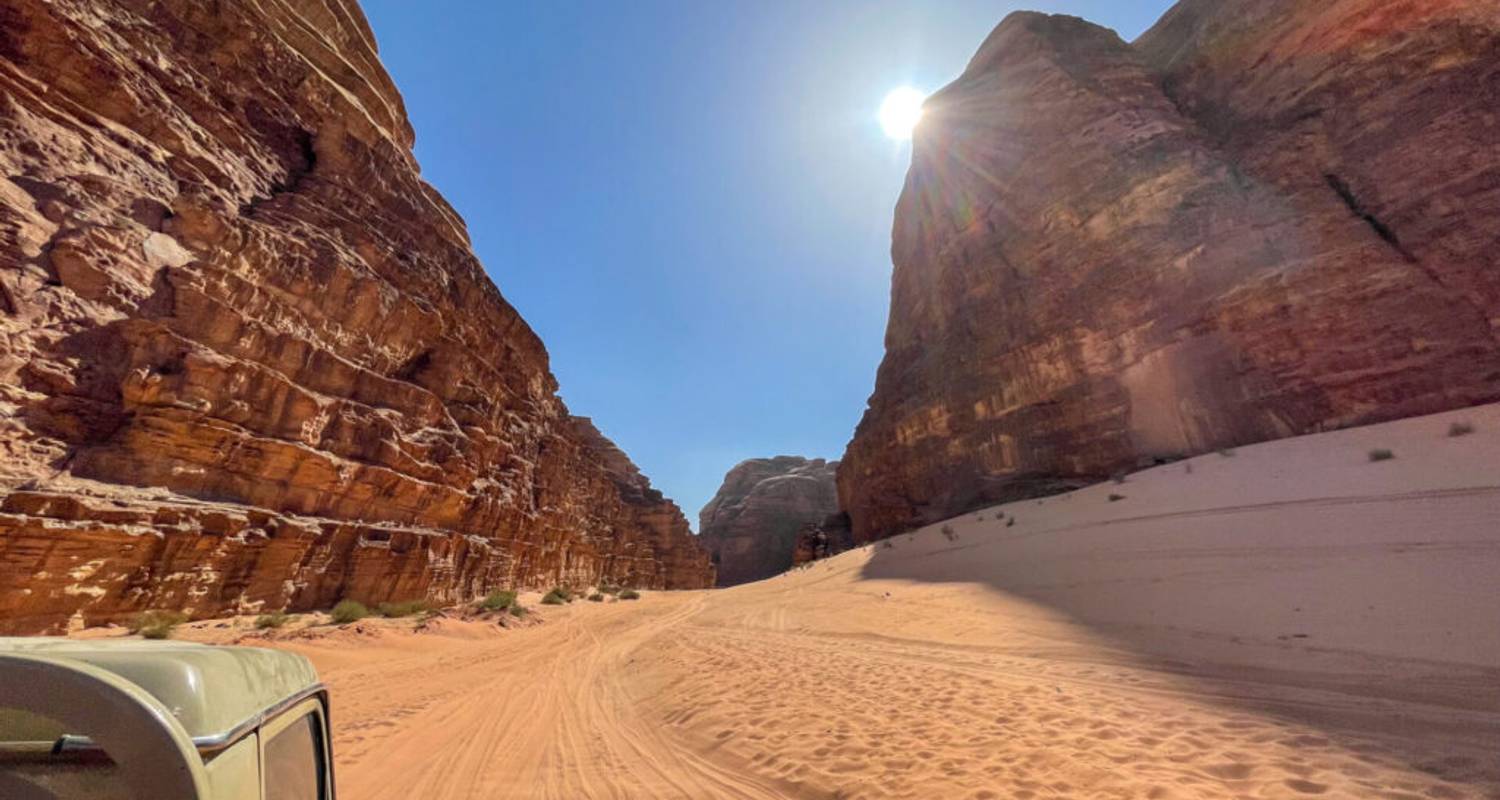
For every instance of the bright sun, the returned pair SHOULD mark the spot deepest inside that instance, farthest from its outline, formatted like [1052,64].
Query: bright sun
[901,111]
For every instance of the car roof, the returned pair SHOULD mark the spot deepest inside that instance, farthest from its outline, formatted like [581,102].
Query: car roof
[210,689]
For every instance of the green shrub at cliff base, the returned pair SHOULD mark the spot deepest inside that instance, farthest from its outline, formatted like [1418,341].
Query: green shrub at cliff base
[556,597]
[630,594]
[157,624]
[596,598]
[499,601]
[405,608]
[348,611]
[517,610]
[275,619]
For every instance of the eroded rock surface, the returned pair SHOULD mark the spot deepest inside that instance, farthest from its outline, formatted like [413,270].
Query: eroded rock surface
[750,526]
[823,539]
[1259,220]
[247,358]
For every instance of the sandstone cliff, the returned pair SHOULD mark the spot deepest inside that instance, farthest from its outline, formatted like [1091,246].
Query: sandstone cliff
[750,526]
[1261,219]
[247,358]
[822,539]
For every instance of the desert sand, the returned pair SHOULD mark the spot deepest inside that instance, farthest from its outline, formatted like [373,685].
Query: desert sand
[1290,619]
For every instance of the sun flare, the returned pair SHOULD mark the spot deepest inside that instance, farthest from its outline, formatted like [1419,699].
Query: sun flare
[901,111]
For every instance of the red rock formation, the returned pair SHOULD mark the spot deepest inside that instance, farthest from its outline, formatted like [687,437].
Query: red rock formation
[750,526]
[223,280]
[1262,219]
[823,539]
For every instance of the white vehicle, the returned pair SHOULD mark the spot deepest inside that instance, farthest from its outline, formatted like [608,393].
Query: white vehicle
[140,720]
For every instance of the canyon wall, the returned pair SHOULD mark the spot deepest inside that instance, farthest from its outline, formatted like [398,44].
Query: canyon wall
[750,526]
[247,358]
[1258,220]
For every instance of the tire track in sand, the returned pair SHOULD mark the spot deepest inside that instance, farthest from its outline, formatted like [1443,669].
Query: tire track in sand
[542,713]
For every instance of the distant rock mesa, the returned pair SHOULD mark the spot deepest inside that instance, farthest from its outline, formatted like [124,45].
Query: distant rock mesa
[750,526]
[247,358]
[1258,220]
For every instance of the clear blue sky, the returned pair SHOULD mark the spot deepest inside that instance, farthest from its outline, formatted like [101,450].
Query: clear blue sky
[690,201]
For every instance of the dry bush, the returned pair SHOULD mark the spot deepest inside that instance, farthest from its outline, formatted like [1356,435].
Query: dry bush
[348,611]
[275,619]
[157,624]
[498,601]
[406,608]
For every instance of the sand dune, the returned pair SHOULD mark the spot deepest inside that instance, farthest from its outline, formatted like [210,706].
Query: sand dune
[1291,620]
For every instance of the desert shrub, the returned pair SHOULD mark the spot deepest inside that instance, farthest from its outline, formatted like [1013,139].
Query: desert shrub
[155,617]
[596,598]
[888,544]
[1114,498]
[348,611]
[157,624]
[608,589]
[517,610]
[1381,454]
[1010,522]
[630,594]
[1461,429]
[950,534]
[979,518]
[498,601]
[1118,476]
[558,596]
[275,619]
[404,608]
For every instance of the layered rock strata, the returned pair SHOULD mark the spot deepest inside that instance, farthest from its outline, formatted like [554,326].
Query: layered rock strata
[1258,220]
[247,357]
[750,526]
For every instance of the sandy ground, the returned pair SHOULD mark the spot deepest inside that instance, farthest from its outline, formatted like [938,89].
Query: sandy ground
[1291,620]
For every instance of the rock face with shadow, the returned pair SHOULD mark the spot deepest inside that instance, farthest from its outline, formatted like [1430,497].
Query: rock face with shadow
[247,358]
[1257,220]
[750,526]
[825,539]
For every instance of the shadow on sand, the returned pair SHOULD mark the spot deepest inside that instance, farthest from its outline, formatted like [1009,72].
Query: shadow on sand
[1356,615]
